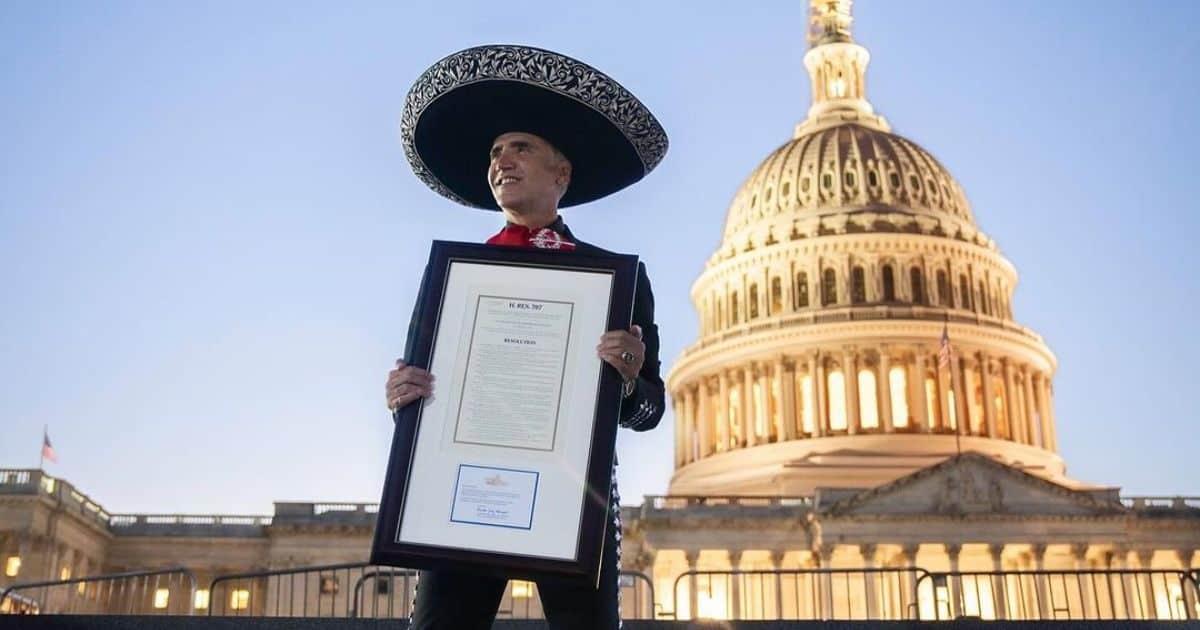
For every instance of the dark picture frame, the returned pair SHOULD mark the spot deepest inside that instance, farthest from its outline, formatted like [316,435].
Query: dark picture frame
[387,548]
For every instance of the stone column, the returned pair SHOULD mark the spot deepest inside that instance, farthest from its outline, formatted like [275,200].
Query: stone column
[870,555]
[1044,411]
[695,448]
[961,402]
[788,418]
[692,556]
[826,582]
[1043,586]
[944,377]
[776,558]
[909,595]
[1145,588]
[749,415]
[680,432]
[1123,601]
[999,594]
[916,387]
[1087,581]
[989,403]
[1051,423]
[954,588]
[735,584]
[1016,419]
[884,390]
[817,369]
[850,371]
[723,413]
[704,417]
[1032,417]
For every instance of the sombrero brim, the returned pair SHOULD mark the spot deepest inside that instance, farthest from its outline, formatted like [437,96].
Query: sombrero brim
[458,107]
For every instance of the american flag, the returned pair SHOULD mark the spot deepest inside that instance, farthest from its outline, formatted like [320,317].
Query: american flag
[47,448]
[944,351]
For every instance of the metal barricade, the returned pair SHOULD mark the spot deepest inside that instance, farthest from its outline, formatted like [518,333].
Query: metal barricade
[364,590]
[169,591]
[1152,594]
[797,594]
[332,590]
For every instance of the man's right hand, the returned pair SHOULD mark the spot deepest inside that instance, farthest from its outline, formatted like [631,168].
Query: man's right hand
[407,383]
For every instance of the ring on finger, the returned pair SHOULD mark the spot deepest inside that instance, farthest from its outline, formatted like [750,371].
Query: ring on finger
[628,357]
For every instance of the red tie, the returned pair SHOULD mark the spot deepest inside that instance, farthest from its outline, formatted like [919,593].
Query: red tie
[521,236]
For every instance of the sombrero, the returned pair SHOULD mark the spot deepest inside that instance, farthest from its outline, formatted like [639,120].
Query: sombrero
[457,107]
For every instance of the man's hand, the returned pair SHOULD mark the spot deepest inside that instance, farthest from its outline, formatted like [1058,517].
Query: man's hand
[407,383]
[623,350]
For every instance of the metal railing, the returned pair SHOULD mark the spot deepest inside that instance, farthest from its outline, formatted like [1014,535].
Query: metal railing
[684,501]
[1061,595]
[1160,503]
[797,594]
[363,590]
[156,592]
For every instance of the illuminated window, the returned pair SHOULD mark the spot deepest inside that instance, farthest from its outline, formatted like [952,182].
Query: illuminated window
[201,599]
[868,410]
[239,599]
[64,573]
[809,414]
[931,403]
[953,409]
[13,566]
[858,286]
[829,288]
[801,289]
[161,597]
[329,585]
[898,382]
[522,589]
[837,401]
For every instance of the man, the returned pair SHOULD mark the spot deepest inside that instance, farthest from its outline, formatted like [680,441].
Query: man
[560,133]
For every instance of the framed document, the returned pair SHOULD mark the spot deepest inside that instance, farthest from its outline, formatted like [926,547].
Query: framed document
[507,468]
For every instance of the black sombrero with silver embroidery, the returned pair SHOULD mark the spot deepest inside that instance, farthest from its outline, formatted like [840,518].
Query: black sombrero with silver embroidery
[462,103]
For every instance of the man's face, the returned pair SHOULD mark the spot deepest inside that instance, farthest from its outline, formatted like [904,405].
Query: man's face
[526,172]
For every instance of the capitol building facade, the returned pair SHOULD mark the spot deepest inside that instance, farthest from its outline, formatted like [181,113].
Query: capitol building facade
[860,398]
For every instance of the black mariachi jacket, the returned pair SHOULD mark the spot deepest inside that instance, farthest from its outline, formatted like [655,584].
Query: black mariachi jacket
[644,408]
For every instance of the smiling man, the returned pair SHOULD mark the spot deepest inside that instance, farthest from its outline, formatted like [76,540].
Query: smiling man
[526,132]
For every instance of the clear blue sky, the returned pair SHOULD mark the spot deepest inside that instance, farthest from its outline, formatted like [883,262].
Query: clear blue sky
[210,238]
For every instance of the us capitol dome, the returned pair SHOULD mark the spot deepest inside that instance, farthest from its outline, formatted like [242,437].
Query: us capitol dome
[846,255]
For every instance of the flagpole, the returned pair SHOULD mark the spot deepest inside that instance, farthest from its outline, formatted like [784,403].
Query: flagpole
[42,450]
[950,366]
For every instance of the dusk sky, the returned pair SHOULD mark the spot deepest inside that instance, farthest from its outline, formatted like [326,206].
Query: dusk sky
[210,239]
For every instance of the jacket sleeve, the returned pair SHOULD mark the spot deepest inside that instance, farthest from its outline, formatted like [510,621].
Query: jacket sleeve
[414,322]
[643,409]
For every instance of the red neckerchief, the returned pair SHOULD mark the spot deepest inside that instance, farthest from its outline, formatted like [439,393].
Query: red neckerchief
[520,236]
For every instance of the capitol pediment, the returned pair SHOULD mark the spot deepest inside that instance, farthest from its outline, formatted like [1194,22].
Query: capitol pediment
[973,484]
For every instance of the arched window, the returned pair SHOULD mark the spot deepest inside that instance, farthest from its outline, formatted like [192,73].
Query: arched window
[868,408]
[829,288]
[984,305]
[898,384]
[801,290]
[964,290]
[943,288]
[889,284]
[837,401]
[858,286]
[776,295]
[918,285]
[752,300]
[735,316]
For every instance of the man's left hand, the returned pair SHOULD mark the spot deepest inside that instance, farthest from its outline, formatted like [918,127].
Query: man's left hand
[624,350]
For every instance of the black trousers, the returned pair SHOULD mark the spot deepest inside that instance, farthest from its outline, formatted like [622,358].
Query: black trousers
[451,600]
